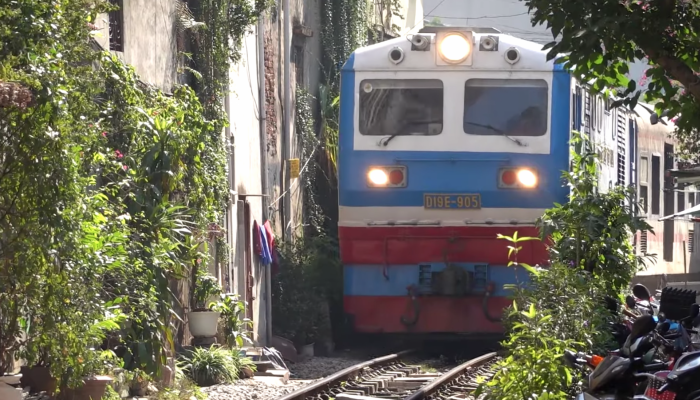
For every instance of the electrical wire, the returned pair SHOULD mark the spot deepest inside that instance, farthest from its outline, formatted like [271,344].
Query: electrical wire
[250,83]
[479,17]
[293,185]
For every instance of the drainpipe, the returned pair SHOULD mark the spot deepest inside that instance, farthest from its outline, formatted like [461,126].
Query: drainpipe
[263,168]
[231,180]
[287,125]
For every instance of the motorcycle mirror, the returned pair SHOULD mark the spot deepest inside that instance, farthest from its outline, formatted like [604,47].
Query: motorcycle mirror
[629,301]
[611,304]
[694,310]
[641,292]
[661,317]
[570,358]
[642,326]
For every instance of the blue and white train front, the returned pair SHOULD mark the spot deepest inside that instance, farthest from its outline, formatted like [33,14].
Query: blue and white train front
[447,138]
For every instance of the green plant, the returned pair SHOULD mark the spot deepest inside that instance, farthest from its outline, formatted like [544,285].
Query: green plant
[107,187]
[235,326]
[593,230]
[111,394]
[556,299]
[591,257]
[212,366]
[183,388]
[206,287]
[310,278]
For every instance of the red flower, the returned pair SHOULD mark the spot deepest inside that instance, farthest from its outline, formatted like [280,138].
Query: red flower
[125,167]
[118,154]
[104,134]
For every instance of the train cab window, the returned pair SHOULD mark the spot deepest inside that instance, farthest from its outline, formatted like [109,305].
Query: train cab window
[513,107]
[401,107]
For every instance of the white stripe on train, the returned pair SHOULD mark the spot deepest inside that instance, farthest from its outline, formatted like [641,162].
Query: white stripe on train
[419,216]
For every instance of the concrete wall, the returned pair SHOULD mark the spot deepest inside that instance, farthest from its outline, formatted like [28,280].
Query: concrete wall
[150,40]
[245,174]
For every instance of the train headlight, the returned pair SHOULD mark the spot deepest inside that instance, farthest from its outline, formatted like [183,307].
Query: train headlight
[390,176]
[377,177]
[454,48]
[527,178]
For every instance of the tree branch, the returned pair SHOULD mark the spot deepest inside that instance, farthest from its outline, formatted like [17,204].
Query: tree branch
[679,70]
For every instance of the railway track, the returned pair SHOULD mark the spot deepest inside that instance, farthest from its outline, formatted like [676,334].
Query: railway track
[392,377]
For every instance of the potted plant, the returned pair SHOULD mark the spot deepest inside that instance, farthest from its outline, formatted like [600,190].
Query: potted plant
[202,320]
[37,377]
[235,329]
[139,383]
[212,366]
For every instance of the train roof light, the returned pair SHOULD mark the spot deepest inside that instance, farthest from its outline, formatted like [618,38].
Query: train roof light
[512,55]
[454,48]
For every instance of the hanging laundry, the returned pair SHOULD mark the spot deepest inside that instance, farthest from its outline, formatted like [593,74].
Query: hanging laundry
[257,239]
[273,251]
[270,239]
[265,256]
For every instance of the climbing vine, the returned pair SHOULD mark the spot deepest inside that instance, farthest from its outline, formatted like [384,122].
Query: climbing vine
[308,143]
[108,187]
[310,271]
[347,25]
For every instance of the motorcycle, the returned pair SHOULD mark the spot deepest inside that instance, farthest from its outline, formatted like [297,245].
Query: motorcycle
[632,370]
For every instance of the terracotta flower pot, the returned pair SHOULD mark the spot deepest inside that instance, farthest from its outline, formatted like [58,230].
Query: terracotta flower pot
[139,388]
[92,389]
[39,380]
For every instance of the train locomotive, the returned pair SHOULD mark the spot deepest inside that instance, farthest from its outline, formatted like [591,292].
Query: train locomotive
[447,138]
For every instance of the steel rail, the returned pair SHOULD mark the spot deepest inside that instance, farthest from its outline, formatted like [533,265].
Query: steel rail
[453,374]
[343,375]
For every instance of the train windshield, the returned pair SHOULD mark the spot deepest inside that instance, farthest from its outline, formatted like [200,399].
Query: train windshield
[512,107]
[401,107]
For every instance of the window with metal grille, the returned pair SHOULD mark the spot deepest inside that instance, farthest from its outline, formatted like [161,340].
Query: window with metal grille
[655,185]
[116,26]
[691,240]
[643,242]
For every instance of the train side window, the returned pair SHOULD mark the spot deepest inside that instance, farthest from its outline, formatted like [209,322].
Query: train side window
[399,107]
[514,107]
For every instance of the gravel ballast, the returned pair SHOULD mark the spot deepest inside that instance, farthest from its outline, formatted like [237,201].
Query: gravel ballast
[300,375]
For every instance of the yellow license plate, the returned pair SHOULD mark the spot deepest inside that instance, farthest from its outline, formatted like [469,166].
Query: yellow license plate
[452,201]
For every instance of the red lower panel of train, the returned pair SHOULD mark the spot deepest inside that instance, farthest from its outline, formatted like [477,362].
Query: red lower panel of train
[431,279]
[393,314]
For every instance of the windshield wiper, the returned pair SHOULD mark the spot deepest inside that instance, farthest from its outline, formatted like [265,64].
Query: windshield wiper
[406,125]
[492,128]
[385,140]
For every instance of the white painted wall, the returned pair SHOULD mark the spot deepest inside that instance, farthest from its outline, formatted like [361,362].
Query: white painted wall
[245,174]
[150,40]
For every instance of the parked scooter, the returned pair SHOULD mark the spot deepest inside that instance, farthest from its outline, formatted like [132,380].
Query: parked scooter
[631,370]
